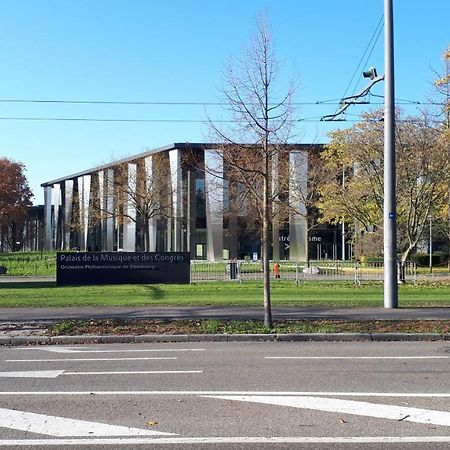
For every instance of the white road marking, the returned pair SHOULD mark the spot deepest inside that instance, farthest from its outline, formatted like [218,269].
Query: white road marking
[32,374]
[61,426]
[357,408]
[221,393]
[91,359]
[225,440]
[357,357]
[141,372]
[85,350]
[57,373]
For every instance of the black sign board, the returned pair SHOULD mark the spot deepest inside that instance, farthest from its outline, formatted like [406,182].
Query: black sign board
[122,268]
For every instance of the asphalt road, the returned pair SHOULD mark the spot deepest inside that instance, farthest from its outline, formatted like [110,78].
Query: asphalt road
[312,395]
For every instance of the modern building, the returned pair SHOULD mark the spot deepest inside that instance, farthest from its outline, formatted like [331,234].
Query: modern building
[176,198]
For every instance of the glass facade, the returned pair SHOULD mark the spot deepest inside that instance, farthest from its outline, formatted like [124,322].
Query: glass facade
[179,198]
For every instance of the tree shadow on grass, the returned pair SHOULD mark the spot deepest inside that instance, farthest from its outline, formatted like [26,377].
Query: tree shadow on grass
[156,293]
[28,285]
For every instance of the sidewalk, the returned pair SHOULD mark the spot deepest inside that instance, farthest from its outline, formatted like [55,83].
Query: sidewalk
[27,325]
[46,315]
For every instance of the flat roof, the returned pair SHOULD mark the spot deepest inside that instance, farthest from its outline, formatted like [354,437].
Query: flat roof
[132,158]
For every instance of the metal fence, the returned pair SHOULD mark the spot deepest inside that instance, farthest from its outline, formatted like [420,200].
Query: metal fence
[239,271]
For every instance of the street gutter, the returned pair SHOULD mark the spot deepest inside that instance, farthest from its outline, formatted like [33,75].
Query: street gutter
[149,338]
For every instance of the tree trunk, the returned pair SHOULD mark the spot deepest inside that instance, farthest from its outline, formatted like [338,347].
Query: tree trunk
[146,232]
[268,321]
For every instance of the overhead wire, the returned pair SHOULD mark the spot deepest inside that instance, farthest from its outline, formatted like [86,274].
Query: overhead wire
[374,38]
[167,103]
[110,120]
[152,103]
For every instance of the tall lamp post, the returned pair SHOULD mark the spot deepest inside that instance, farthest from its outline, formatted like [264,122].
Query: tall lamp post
[389,211]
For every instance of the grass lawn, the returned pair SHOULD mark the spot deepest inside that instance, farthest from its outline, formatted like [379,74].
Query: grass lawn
[213,326]
[219,294]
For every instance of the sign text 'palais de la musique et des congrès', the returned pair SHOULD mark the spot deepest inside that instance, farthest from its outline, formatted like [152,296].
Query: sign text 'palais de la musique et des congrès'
[122,268]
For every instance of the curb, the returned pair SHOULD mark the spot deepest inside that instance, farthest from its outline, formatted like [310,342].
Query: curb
[148,338]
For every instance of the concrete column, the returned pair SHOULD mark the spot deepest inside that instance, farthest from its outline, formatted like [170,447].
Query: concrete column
[67,212]
[275,221]
[129,226]
[56,229]
[84,195]
[298,223]
[152,224]
[177,198]
[214,205]
[191,213]
[108,208]
[101,212]
[48,242]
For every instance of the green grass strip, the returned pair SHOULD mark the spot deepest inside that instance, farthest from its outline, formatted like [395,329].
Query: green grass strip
[218,294]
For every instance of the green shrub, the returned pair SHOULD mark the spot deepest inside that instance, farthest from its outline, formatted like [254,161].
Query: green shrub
[371,259]
[423,259]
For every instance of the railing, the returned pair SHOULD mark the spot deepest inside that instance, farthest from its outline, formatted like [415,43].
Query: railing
[239,271]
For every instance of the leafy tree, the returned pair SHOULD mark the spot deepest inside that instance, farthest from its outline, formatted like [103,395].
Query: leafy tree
[263,120]
[15,198]
[442,87]
[442,91]
[423,172]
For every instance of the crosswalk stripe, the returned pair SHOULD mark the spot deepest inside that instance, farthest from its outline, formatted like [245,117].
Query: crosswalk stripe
[394,412]
[64,427]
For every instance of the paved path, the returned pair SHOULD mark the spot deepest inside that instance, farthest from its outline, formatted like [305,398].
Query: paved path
[20,315]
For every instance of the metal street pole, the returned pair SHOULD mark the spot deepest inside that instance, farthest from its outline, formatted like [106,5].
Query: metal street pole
[343,222]
[430,248]
[389,212]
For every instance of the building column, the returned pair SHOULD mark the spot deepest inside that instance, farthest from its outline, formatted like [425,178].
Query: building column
[275,185]
[107,205]
[191,213]
[214,205]
[129,226]
[56,229]
[177,199]
[149,184]
[298,220]
[233,229]
[84,195]
[106,198]
[48,242]
[67,212]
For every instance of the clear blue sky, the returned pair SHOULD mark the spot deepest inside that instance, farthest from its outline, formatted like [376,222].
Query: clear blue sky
[175,51]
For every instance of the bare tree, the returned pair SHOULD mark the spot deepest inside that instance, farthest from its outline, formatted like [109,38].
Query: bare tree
[142,193]
[263,119]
